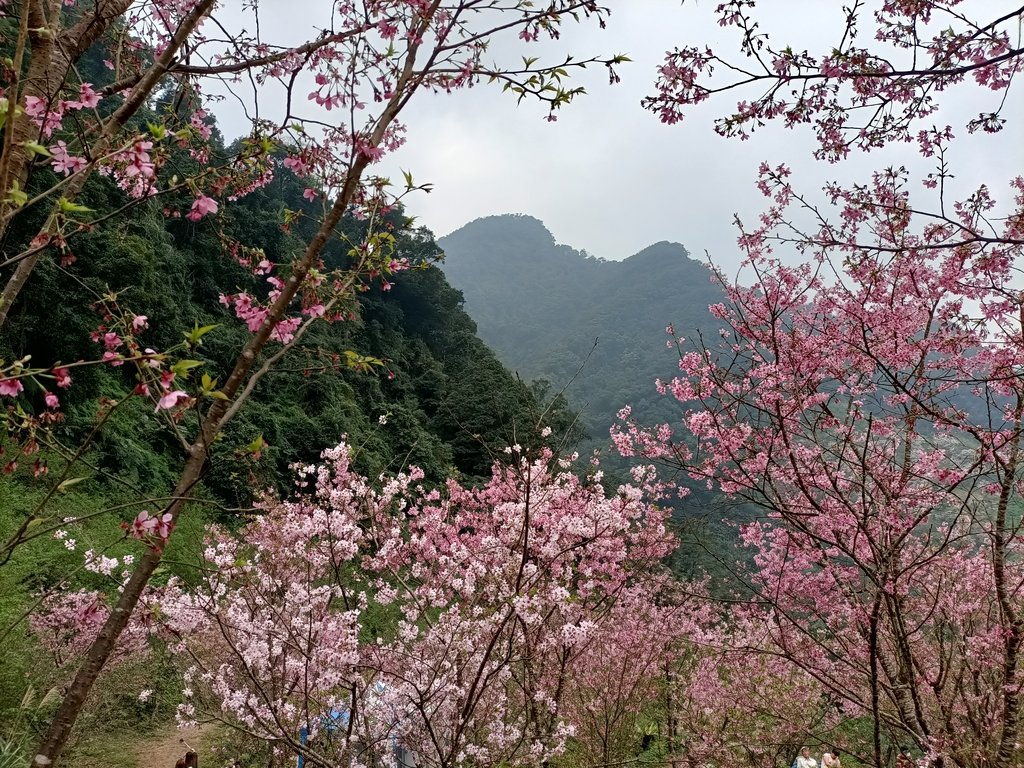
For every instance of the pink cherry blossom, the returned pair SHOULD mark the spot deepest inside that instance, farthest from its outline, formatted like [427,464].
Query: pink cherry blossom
[87,96]
[67,622]
[64,162]
[11,387]
[171,400]
[492,584]
[46,116]
[297,165]
[63,377]
[151,528]
[865,397]
[202,206]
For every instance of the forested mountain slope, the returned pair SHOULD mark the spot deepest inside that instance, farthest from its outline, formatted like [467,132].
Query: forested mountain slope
[448,402]
[542,306]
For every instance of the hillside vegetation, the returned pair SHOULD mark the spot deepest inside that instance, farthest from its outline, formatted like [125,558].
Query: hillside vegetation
[595,327]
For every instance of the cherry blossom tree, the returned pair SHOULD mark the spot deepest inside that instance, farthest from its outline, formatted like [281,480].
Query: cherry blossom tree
[67,622]
[619,696]
[456,623]
[867,390]
[362,70]
[737,700]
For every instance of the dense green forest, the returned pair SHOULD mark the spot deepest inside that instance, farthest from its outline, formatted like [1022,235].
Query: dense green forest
[448,401]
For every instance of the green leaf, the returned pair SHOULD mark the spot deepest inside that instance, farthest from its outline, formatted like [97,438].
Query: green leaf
[182,367]
[36,148]
[68,207]
[157,131]
[16,196]
[71,481]
[198,332]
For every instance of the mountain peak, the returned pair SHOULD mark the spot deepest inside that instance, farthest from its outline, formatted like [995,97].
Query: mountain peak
[530,239]
[663,251]
[524,227]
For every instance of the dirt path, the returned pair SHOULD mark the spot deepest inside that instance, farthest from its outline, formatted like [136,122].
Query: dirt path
[164,750]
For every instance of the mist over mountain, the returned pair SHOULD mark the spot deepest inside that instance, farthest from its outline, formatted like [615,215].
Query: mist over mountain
[541,307]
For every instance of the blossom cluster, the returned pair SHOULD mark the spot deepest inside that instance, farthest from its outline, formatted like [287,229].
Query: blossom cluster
[412,611]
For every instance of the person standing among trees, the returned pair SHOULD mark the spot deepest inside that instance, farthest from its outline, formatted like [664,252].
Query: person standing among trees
[804,760]
[830,758]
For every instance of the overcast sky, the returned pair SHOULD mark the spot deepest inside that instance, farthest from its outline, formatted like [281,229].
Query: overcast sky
[608,177]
